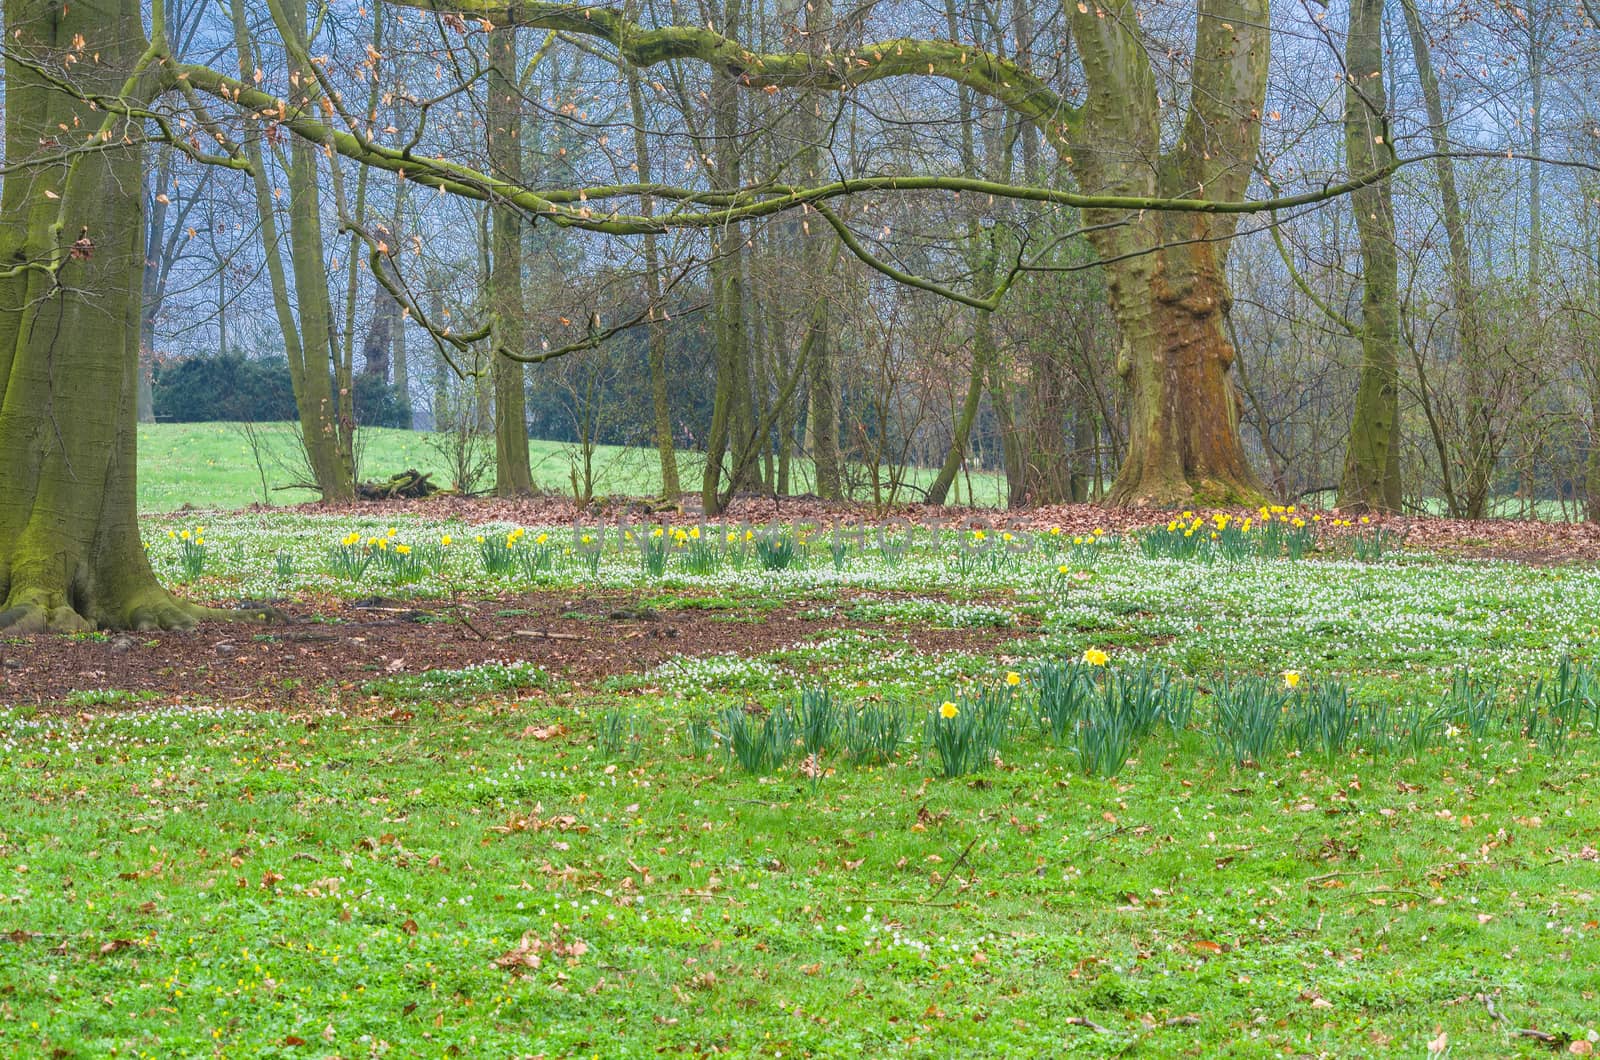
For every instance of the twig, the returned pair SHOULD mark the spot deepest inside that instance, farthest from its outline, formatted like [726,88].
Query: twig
[1079,1021]
[544,634]
[1393,890]
[1545,1037]
[467,622]
[1312,880]
[954,867]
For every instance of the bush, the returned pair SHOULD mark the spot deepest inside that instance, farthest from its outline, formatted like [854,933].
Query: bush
[236,388]
[208,389]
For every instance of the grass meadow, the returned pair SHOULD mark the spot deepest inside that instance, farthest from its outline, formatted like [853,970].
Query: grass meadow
[215,465]
[1278,792]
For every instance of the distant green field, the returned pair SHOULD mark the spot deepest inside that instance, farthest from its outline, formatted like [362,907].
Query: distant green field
[213,465]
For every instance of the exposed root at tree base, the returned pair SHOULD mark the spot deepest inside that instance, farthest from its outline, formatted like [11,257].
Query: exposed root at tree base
[156,610]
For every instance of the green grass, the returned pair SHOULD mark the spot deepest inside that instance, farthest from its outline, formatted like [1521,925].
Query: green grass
[190,882]
[212,465]
[503,862]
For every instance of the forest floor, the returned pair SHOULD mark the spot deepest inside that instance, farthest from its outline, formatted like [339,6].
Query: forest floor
[767,788]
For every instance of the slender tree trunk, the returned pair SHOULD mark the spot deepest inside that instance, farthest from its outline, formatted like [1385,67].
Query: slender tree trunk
[512,476]
[661,405]
[71,248]
[1372,457]
[961,431]
[727,292]
[307,341]
[822,384]
[1479,458]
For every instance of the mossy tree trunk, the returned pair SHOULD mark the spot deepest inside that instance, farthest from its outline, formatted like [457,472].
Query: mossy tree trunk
[1481,444]
[730,415]
[660,400]
[1171,302]
[822,383]
[1372,458]
[306,322]
[71,250]
[512,476]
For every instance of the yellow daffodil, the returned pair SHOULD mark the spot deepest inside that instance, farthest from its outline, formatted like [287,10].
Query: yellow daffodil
[445,540]
[404,550]
[1291,678]
[1063,569]
[478,540]
[1013,679]
[1095,657]
[948,710]
[541,539]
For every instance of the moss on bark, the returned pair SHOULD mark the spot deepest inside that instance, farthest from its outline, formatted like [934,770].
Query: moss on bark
[71,245]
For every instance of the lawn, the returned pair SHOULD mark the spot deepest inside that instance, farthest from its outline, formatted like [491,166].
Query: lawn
[763,851]
[215,465]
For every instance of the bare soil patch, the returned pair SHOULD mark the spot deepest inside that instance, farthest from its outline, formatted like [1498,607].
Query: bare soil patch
[323,654]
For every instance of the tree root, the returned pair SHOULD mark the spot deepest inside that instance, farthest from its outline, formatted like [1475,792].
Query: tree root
[157,610]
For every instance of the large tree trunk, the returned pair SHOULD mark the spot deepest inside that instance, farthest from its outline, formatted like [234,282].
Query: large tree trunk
[71,248]
[1183,409]
[512,476]
[1372,457]
[1165,271]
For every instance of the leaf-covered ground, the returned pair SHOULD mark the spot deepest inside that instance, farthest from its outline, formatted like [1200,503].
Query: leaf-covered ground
[509,861]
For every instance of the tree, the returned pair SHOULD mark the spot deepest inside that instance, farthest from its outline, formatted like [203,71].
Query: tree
[71,259]
[1372,459]
[512,476]
[1160,215]
[327,415]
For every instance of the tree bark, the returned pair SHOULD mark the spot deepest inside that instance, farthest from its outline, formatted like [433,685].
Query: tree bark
[660,403]
[71,250]
[512,476]
[307,336]
[1372,456]
[1165,272]
[729,416]
[822,384]
[1481,448]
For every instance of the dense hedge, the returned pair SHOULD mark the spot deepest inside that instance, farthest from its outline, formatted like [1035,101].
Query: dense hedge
[208,389]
